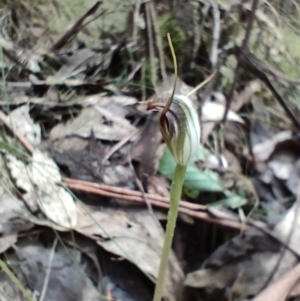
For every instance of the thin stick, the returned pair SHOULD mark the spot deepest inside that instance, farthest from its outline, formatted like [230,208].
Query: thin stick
[75,28]
[238,65]
[222,219]
[127,194]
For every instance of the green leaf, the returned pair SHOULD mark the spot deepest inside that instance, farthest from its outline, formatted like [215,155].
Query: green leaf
[196,180]
[232,201]
[201,180]
[167,164]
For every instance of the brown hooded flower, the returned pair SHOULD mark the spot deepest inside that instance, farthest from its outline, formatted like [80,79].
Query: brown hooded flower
[180,127]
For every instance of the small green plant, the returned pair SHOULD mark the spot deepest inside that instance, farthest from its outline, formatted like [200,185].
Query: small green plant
[169,25]
[180,128]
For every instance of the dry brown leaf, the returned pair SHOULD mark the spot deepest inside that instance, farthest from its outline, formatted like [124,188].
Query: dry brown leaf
[147,149]
[260,122]
[67,279]
[42,182]
[294,178]
[214,111]
[73,64]
[279,290]
[6,241]
[132,235]
[13,216]
[21,121]
[110,102]
[13,213]
[105,124]
[244,97]
[253,257]
[280,169]
[262,151]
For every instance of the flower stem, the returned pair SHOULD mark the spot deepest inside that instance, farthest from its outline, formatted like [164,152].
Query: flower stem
[175,195]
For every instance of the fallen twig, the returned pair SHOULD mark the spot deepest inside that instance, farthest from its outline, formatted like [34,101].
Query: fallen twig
[75,28]
[193,210]
[258,68]
[238,65]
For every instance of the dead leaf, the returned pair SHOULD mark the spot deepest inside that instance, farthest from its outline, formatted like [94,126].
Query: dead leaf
[74,63]
[7,241]
[215,112]
[159,185]
[262,151]
[282,167]
[132,235]
[212,111]
[42,182]
[253,257]
[67,280]
[86,164]
[295,291]
[259,119]
[111,103]
[294,177]
[279,290]
[147,149]
[22,122]
[246,95]
[104,123]
[13,215]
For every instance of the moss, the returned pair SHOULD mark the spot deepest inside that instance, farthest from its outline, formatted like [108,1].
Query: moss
[168,24]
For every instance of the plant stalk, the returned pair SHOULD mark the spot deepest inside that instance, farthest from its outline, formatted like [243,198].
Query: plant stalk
[175,195]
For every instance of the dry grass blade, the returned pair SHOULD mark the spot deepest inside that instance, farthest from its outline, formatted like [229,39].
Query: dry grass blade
[46,281]
[15,280]
[203,83]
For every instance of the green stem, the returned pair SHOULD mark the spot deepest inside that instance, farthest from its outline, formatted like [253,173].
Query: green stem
[175,195]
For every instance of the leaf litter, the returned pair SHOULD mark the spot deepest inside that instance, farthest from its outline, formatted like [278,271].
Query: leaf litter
[41,181]
[106,124]
[94,158]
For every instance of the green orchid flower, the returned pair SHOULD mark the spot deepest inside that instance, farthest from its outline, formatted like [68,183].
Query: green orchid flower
[180,127]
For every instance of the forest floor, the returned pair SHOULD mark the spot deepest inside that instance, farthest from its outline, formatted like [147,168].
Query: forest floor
[85,174]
